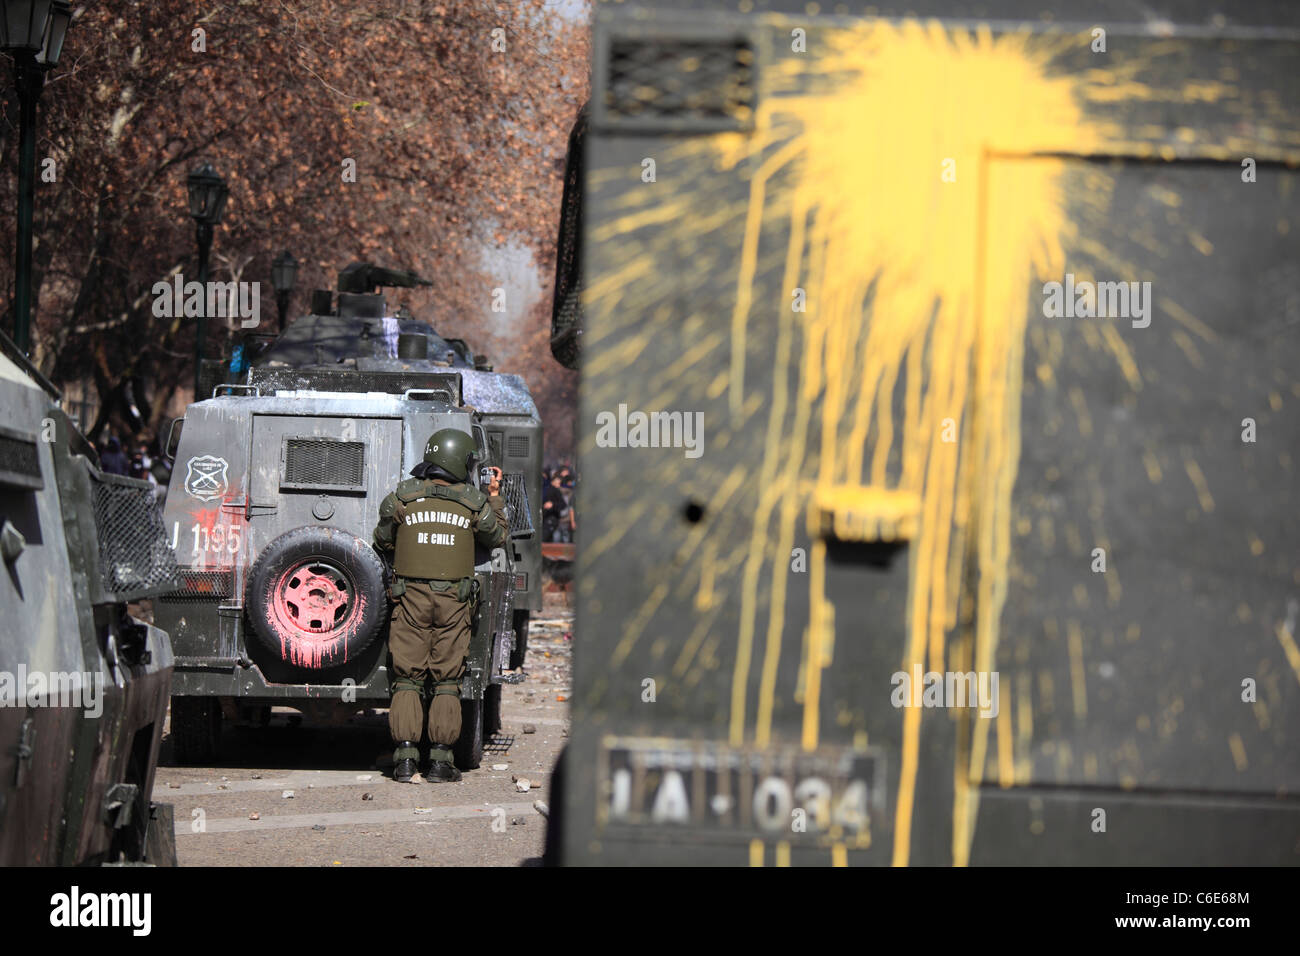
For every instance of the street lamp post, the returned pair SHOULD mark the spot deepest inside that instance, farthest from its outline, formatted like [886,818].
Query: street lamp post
[284,268]
[208,193]
[32,32]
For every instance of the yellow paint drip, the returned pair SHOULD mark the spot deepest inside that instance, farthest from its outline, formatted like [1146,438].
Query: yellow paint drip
[1199,483]
[1289,648]
[1238,752]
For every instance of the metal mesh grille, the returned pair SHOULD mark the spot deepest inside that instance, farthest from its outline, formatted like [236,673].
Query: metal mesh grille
[134,557]
[682,82]
[202,586]
[517,446]
[516,495]
[19,463]
[316,462]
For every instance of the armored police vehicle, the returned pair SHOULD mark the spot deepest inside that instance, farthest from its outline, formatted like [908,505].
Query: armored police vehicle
[988,554]
[274,497]
[83,683]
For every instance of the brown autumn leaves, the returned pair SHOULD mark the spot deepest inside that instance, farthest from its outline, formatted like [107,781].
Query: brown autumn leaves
[458,145]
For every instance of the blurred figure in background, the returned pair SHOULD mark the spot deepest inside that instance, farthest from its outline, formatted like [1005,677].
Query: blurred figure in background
[553,505]
[114,460]
[570,485]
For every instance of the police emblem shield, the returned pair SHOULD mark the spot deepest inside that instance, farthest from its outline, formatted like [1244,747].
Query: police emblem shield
[205,477]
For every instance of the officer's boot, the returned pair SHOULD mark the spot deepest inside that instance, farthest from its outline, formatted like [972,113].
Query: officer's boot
[441,769]
[405,761]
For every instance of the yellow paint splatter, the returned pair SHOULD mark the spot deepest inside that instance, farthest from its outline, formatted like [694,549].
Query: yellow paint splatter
[1289,648]
[1078,682]
[919,297]
[1238,752]
[1199,483]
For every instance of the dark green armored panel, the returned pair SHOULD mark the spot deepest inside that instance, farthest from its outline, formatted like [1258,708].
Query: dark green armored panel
[925,346]
[83,684]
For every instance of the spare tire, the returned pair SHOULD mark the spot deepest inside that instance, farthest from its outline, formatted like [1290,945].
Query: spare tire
[317,597]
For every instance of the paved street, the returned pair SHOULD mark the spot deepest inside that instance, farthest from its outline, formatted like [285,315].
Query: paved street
[345,808]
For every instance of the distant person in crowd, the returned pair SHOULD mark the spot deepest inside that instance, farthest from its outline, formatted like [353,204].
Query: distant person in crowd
[553,505]
[564,533]
[139,469]
[571,512]
[114,460]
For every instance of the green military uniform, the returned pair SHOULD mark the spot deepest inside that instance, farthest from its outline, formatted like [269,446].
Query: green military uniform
[429,525]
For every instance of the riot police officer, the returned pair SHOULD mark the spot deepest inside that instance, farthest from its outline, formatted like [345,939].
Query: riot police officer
[429,525]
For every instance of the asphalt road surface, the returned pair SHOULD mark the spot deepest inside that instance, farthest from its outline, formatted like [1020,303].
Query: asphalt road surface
[345,809]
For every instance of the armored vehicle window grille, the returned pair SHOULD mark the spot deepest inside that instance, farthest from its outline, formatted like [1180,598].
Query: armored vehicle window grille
[680,83]
[516,495]
[324,463]
[566,313]
[199,585]
[135,559]
[517,446]
[501,599]
[20,465]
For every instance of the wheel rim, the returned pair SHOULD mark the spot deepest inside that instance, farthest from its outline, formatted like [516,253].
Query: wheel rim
[313,602]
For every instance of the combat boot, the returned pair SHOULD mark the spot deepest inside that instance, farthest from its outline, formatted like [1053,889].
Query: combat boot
[405,761]
[441,769]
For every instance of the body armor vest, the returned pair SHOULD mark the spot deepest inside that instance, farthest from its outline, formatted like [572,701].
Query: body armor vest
[435,530]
